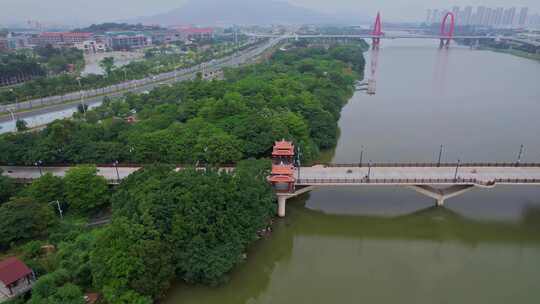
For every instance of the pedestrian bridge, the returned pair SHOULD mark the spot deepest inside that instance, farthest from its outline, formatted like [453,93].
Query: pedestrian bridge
[438,181]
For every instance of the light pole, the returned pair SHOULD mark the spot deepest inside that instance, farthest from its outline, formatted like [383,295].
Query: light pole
[38,164]
[440,156]
[457,169]
[12,114]
[16,98]
[117,173]
[60,211]
[369,170]
[520,155]
[82,95]
[361,155]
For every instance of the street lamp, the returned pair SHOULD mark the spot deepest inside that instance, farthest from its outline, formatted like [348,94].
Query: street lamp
[440,156]
[12,114]
[117,173]
[520,155]
[369,170]
[457,168]
[361,155]
[16,98]
[82,95]
[38,164]
[59,208]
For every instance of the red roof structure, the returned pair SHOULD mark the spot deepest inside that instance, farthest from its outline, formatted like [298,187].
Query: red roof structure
[283,148]
[196,30]
[282,170]
[12,269]
[66,34]
[281,179]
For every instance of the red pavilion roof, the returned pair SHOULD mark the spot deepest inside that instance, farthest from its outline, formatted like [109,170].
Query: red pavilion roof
[282,170]
[283,148]
[281,179]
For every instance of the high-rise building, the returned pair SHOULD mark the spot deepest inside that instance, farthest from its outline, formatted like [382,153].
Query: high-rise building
[466,16]
[455,11]
[480,15]
[484,16]
[498,16]
[522,18]
[435,16]
[512,16]
[488,17]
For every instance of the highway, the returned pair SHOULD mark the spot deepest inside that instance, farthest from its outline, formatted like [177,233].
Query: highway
[148,83]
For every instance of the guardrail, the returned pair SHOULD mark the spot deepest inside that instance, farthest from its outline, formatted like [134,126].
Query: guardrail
[432,165]
[416,181]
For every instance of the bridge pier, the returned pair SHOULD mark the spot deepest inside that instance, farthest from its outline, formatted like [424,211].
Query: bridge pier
[283,197]
[282,204]
[441,195]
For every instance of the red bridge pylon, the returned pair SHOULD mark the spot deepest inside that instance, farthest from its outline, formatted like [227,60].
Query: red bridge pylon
[377,32]
[446,36]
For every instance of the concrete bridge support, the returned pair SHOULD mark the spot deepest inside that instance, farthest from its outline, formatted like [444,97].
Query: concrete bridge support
[283,197]
[440,195]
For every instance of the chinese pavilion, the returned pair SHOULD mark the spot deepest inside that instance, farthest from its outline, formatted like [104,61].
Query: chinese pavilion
[282,176]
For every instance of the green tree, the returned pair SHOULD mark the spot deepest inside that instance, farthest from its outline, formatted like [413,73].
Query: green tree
[46,189]
[107,64]
[85,190]
[75,256]
[21,125]
[7,187]
[131,257]
[56,288]
[24,219]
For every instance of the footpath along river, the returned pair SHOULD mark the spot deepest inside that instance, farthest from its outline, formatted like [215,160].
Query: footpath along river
[390,245]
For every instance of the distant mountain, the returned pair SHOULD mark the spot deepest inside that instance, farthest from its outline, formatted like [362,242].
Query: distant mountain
[246,12]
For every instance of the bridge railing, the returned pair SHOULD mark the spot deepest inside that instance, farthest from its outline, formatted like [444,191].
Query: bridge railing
[414,181]
[433,165]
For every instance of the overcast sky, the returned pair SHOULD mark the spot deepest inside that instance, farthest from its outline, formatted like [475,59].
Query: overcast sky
[88,11]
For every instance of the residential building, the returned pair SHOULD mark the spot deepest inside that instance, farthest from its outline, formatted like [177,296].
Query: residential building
[499,16]
[15,278]
[192,33]
[125,41]
[456,12]
[92,46]
[466,15]
[3,45]
[62,38]
[522,18]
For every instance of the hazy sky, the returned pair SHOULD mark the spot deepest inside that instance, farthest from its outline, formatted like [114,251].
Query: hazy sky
[85,11]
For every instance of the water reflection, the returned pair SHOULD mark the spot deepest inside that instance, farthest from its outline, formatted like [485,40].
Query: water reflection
[313,257]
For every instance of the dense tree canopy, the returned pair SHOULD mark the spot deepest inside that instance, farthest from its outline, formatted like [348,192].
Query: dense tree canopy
[297,95]
[7,188]
[23,219]
[194,224]
[84,189]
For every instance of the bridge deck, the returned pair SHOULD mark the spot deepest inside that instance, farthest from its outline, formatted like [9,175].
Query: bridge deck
[421,175]
[390,174]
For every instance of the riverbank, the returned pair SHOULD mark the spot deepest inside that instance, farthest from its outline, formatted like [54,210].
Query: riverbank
[514,52]
[353,244]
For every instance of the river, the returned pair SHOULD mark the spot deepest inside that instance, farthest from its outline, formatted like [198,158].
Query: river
[390,245]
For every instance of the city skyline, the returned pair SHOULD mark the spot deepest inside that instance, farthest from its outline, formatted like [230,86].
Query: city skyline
[486,16]
[81,13]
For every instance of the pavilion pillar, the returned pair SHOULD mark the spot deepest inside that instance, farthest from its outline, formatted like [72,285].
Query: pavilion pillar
[282,202]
